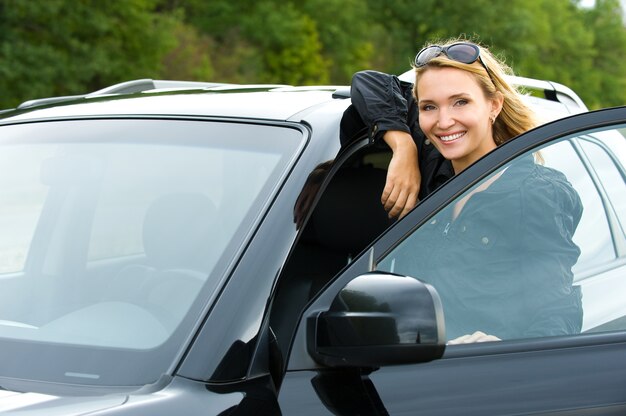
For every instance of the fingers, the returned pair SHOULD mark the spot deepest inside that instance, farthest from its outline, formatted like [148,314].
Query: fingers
[410,203]
[403,177]
[396,203]
[400,195]
[394,198]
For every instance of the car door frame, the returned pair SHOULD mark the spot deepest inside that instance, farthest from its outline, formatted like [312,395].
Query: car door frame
[561,353]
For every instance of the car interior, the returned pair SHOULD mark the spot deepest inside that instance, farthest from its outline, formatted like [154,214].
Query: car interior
[346,219]
[174,238]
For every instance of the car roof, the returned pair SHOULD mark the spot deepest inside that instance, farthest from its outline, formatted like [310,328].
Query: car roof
[147,97]
[264,102]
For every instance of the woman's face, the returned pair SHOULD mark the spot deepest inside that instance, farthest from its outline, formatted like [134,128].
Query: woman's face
[455,115]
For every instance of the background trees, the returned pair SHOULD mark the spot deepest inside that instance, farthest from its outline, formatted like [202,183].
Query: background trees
[57,47]
[61,47]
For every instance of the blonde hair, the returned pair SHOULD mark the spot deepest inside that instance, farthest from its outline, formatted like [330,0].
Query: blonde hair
[515,117]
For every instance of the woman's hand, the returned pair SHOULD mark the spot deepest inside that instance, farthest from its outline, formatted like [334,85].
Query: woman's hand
[403,175]
[477,336]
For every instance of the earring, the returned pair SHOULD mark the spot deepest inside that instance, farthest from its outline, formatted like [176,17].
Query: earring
[492,118]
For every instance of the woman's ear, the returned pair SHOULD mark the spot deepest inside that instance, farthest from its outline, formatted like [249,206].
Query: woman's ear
[496,103]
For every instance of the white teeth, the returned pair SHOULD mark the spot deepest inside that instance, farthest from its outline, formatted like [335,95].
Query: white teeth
[451,137]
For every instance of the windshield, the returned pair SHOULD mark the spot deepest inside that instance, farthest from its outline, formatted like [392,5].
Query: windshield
[117,234]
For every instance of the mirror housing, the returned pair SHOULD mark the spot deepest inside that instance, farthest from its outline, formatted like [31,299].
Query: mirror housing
[379,319]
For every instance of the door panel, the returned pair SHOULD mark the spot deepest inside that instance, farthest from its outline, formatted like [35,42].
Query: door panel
[573,371]
[555,381]
[510,383]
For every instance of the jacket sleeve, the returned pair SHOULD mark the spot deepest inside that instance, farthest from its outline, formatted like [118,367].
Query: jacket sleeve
[381,101]
[552,210]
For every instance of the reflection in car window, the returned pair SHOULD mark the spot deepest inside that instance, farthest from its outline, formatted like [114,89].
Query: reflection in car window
[121,225]
[612,174]
[501,255]
[179,172]
[604,304]
[510,272]
[21,202]
[593,235]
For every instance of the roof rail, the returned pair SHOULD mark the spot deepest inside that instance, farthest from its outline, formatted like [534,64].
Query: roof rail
[44,101]
[128,87]
[147,84]
[140,85]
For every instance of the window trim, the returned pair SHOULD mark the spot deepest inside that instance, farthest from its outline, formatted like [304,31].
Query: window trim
[617,232]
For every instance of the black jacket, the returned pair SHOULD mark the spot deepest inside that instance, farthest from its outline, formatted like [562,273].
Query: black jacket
[385,103]
[504,264]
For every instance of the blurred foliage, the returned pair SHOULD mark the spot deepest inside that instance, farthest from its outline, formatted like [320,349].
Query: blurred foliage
[57,47]
[64,47]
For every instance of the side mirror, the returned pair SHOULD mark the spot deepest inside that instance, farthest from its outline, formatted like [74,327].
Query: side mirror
[379,319]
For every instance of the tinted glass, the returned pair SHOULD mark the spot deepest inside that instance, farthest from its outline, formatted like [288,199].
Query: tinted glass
[593,234]
[117,234]
[607,158]
[533,250]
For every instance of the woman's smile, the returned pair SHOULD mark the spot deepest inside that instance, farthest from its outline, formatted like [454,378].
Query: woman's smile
[451,137]
[455,114]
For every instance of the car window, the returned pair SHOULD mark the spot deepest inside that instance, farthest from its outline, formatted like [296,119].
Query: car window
[21,204]
[593,235]
[605,159]
[178,172]
[124,229]
[530,251]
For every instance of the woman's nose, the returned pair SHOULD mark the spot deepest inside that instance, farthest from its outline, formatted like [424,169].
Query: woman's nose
[444,119]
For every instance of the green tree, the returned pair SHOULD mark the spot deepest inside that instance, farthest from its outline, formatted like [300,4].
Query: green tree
[290,44]
[60,47]
[259,41]
[547,39]
[567,54]
[190,59]
[606,83]
[348,35]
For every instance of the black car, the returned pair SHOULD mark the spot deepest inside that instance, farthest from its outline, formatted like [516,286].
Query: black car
[206,249]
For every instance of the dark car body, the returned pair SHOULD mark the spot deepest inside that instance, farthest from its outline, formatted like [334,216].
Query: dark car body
[212,249]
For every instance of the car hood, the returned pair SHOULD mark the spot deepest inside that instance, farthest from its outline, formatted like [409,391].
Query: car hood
[43,404]
[175,396]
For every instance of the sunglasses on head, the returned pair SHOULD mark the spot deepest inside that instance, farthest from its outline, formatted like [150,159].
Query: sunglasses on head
[464,52]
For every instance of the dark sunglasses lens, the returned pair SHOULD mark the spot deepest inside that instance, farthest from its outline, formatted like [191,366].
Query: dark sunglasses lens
[463,52]
[426,55]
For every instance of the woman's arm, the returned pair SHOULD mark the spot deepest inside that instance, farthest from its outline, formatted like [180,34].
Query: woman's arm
[380,101]
[403,176]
